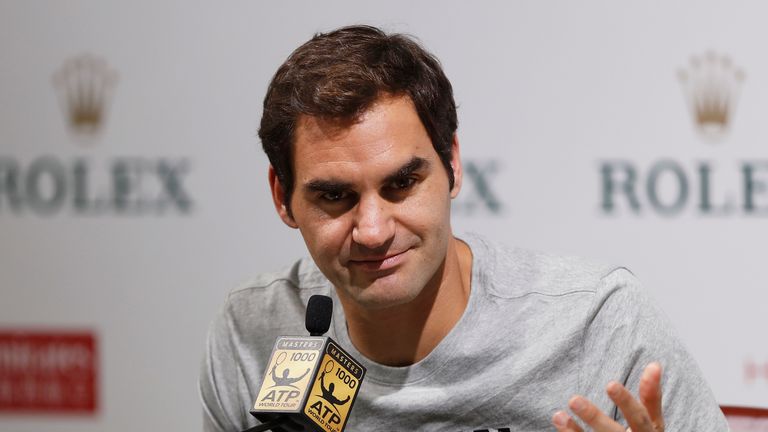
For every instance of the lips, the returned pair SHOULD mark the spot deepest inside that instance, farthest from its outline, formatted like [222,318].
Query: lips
[379,263]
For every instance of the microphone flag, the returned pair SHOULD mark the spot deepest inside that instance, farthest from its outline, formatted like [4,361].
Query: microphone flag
[310,382]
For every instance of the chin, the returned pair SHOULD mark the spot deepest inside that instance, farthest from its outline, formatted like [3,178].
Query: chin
[381,297]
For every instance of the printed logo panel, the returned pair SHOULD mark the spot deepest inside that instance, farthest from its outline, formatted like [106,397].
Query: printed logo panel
[48,185]
[289,374]
[48,372]
[334,390]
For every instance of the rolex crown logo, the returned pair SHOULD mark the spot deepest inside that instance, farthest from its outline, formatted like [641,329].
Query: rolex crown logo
[84,85]
[711,85]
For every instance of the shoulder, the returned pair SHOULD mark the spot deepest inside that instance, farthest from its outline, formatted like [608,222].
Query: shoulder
[301,275]
[276,299]
[510,272]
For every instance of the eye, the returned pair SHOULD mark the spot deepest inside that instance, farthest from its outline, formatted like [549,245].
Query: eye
[402,183]
[334,196]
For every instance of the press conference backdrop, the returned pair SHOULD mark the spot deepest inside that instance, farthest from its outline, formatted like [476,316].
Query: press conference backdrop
[133,192]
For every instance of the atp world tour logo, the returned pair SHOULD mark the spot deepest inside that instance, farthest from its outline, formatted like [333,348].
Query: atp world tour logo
[48,184]
[284,379]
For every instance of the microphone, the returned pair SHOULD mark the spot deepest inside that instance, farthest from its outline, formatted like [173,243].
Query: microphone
[310,382]
[319,314]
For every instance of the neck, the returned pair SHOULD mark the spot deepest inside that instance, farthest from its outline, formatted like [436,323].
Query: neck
[404,334]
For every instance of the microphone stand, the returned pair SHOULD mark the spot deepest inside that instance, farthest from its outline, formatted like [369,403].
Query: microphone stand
[268,425]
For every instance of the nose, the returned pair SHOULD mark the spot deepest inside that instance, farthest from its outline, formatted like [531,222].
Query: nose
[374,226]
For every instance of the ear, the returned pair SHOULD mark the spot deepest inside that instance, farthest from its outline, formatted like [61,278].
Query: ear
[278,198]
[456,165]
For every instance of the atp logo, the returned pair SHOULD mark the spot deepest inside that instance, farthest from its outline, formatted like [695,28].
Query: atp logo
[327,392]
[334,390]
[284,379]
[290,375]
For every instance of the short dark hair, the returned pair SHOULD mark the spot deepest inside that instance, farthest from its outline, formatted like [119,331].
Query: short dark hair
[339,75]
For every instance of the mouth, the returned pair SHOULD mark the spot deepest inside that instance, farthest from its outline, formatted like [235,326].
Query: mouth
[379,263]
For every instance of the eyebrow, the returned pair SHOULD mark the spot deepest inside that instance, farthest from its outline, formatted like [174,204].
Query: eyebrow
[327,186]
[415,164]
[324,186]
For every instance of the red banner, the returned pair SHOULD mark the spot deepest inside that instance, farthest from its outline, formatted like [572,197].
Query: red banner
[48,371]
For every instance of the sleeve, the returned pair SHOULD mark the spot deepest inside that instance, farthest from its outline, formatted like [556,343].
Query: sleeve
[624,332]
[222,382]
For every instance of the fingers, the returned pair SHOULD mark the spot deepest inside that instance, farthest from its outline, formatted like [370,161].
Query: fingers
[564,423]
[642,415]
[650,393]
[634,412]
[591,414]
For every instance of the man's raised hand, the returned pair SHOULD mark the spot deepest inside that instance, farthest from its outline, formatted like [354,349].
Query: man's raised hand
[642,414]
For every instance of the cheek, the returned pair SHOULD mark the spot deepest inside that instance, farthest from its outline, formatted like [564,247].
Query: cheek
[326,239]
[428,210]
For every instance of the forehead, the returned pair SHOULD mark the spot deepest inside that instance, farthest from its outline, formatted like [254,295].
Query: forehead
[390,130]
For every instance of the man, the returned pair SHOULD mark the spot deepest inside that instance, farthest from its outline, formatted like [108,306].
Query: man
[457,334]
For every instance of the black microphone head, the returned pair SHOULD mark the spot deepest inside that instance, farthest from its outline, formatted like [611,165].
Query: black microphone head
[319,313]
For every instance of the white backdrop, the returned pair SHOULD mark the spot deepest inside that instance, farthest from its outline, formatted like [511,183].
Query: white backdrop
[547,91]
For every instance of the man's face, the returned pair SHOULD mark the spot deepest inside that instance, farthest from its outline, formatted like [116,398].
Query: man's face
[371,200]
